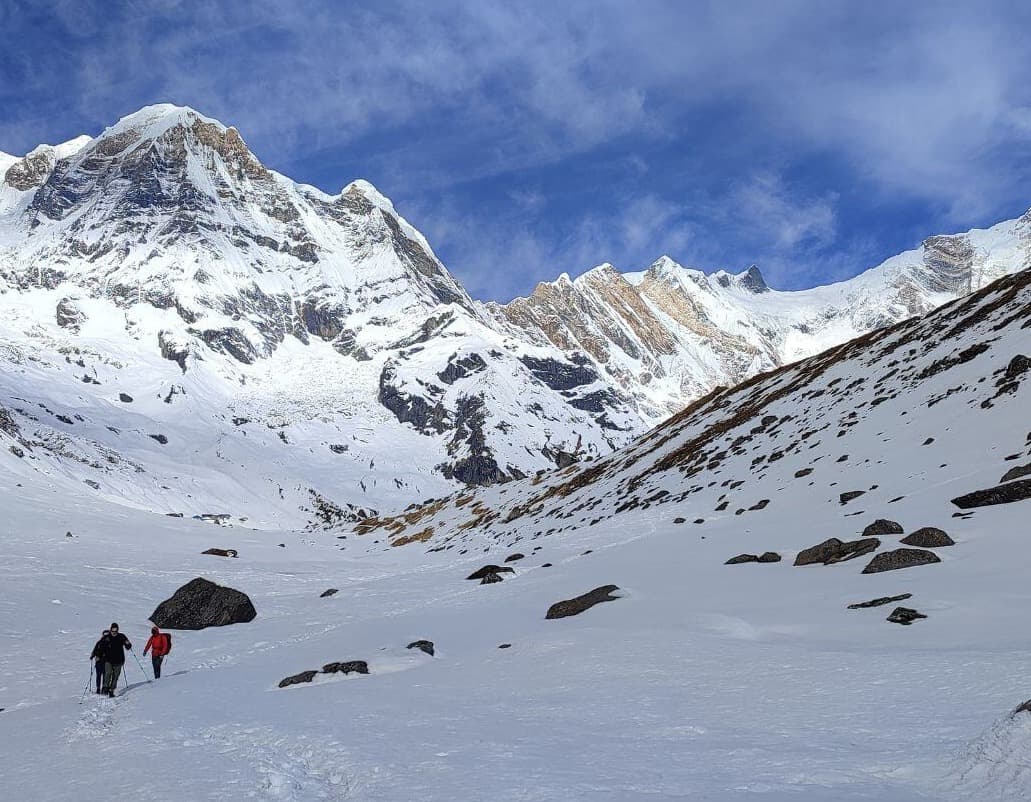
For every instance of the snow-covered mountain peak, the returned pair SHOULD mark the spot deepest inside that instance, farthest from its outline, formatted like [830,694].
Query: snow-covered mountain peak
[165,242]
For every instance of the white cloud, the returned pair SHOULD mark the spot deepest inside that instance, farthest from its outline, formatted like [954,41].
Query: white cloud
[785,218]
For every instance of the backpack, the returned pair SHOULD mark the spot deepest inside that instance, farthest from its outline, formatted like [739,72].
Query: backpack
[168,642]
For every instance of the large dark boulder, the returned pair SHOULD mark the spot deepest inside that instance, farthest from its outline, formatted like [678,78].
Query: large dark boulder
[1000,494]
[569,607]
[900,558]
[742,558]
[836,551]
[769,557]
[201,603]
[928,538]
[882,527]
[845,498]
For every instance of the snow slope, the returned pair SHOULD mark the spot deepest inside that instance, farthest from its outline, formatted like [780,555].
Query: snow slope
[701,681]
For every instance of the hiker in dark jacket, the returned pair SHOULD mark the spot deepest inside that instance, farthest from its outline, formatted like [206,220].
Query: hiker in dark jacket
[113,648]
[159,644]
[97,656]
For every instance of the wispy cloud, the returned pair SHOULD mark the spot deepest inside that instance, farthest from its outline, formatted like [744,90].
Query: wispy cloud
[787,219]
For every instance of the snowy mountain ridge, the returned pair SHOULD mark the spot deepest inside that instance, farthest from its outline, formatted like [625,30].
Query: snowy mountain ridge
[300,345]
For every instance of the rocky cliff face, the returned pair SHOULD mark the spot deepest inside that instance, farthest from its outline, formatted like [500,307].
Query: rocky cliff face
[669,334]
[163,257]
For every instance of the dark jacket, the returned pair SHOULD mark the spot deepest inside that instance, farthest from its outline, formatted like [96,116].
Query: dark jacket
[98,650]
[112,648]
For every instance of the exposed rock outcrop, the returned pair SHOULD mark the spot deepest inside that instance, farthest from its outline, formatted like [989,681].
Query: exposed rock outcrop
[900,558]
[882,527]
[1000,494]
[564,609]
[928,537]
[880,601]
[835,551]
[904,616]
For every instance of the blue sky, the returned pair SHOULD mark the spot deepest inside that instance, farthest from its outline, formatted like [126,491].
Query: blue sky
[526,139]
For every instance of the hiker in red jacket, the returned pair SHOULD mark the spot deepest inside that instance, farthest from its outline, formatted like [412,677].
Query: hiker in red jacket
[159,644]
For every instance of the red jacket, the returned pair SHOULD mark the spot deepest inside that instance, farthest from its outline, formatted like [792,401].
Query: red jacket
[160,644]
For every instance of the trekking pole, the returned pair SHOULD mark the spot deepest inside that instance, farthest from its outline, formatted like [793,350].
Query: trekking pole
[88,683]
[141,666]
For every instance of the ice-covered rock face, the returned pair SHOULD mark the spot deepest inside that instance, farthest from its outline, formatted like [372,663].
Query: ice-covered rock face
[172,208]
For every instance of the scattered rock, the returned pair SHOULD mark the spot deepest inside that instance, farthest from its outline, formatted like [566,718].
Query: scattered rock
[882,527]
[125,398]
[546,565]
[220,518]
[349,667]
[423,645]
[769,557]
[1019,365]
[904,616]
[511,558]
[742,558]
[505,646]
[845,498]
[201,603]
[159,437]
[327,593]
[490,574]
[297,679]
[928,538]
[69,314]
[1000,494]
[900,558]
[836,551]
[928,441]
[679,520]
[880,602]
[222,552]
[803,472]
[578,605]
